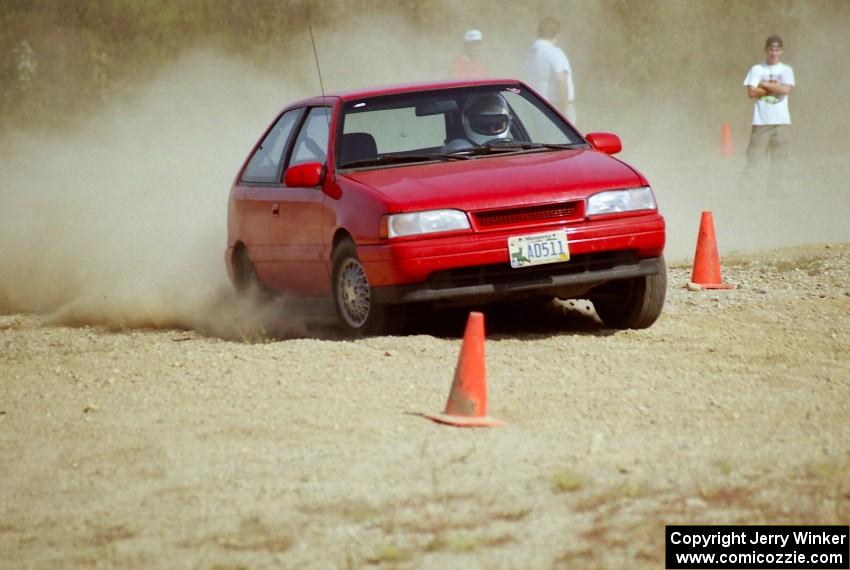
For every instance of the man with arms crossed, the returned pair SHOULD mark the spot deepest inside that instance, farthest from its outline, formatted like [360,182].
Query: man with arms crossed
[769,83]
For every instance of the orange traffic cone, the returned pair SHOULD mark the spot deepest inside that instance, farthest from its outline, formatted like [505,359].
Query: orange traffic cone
[726,138]
[706,273]
[467,404]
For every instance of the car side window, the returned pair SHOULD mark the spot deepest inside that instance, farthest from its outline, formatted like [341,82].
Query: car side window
[312,142]
[264,166]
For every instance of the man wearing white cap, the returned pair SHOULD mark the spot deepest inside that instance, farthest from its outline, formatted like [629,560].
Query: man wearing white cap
[546,68]
[468,64]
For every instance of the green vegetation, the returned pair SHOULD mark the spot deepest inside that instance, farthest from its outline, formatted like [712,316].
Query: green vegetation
[63,57]
[566,481]
[725,466]
[390,553]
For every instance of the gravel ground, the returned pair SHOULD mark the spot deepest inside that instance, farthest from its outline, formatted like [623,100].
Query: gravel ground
[157,448]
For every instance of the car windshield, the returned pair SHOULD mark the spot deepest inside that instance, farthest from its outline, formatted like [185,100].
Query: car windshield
[449,124]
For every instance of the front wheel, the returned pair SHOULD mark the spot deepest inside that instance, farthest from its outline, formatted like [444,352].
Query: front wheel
[358,313]
[633,303]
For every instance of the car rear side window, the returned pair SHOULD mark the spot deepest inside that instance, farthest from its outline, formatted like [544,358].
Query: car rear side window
[265,165]
[312,142]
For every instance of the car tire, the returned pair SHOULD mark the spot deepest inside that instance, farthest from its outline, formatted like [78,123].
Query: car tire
[356,310]
[631,303]
[247,281]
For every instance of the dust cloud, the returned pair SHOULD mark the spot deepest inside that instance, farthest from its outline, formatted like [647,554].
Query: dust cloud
[123,221]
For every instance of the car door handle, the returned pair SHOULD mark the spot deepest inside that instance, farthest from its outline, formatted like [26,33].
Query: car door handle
[275,209]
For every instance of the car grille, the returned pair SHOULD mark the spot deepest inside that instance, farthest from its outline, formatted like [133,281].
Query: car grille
[503,273]
[565,211]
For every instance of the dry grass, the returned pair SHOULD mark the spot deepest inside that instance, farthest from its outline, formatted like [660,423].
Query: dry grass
[421,524]
[98,48]
[628,520]
[253,535]
[102,536]
[811,266]
[625,521]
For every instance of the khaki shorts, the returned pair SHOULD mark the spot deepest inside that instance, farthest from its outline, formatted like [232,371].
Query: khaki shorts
[773,141]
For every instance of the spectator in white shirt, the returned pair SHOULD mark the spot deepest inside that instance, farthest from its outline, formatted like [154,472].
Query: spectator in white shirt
[547,70]
[769,83]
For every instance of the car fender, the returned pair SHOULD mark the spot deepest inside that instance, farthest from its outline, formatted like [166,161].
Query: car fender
[358,211]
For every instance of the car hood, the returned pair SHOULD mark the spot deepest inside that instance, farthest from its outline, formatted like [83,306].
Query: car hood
[499,181]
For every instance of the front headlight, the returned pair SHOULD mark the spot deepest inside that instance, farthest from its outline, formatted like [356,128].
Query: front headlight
[616,201]
[428,222]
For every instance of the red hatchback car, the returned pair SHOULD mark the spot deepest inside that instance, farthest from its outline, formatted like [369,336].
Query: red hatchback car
[455,192]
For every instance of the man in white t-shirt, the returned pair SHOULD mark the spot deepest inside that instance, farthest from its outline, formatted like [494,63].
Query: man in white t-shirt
[547,70]
[769,83]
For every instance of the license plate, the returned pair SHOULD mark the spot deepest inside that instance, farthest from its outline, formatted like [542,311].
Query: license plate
[537,249]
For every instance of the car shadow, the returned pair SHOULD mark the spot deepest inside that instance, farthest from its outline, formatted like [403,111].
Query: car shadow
[262,318]
[509,320]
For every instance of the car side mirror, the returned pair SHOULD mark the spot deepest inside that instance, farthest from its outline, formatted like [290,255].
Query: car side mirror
[307,175]
[609,143]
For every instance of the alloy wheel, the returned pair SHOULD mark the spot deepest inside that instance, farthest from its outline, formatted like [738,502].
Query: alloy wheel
[353,293]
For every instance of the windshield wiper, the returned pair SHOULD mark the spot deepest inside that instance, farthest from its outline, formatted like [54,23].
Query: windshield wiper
[558,146]
[401,158]
[496,147]
[492,147]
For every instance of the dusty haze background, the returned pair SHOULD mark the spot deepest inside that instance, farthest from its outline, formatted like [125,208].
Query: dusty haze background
[123,124]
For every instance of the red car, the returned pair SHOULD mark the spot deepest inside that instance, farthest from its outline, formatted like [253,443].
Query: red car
[454,192]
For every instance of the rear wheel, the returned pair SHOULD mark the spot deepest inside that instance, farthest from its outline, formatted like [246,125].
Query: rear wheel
[631,303]
[246,280]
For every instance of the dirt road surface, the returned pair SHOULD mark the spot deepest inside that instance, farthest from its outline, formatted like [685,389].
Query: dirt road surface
[177,449]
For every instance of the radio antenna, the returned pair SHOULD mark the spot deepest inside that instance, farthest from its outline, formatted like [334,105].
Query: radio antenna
[322,87]
[316,57]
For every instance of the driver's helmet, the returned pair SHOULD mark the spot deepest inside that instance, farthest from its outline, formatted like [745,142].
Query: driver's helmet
[486,117]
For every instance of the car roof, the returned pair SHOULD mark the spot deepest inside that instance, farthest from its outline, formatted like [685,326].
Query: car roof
[366,92]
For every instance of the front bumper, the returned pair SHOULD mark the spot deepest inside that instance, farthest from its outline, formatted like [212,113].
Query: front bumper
[468,265]
[497,282]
